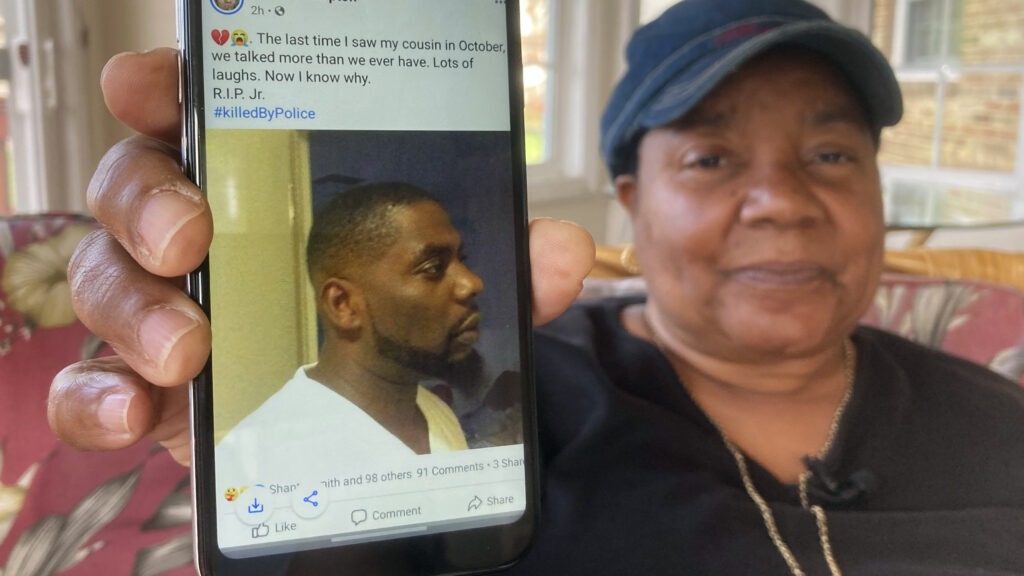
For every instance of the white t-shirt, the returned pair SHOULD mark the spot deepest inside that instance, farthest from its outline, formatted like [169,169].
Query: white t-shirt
[307,423]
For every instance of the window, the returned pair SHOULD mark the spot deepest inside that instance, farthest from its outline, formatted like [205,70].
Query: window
[932,32]
[570,52]
[535,28]
[958,154]
[43,121]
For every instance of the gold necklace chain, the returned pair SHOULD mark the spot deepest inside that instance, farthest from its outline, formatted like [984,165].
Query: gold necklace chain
[821,521]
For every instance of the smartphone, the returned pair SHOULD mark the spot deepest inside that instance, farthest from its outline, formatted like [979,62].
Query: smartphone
[368,404]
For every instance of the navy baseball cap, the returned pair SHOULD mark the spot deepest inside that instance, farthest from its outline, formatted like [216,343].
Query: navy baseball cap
[676,60]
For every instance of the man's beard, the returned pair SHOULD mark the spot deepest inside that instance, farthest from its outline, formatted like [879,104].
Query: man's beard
[432,364]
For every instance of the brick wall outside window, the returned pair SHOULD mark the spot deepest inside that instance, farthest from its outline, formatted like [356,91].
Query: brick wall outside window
[980,109]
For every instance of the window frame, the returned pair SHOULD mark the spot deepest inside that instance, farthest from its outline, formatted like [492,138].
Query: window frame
[934,176]
[586,37]
[48,115]
[901,33]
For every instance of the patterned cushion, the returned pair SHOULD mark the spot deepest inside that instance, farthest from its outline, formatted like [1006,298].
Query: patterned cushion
[61,510]
[976,320]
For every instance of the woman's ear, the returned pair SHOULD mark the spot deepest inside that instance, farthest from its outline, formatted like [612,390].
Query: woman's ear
[626,192]
[341,303]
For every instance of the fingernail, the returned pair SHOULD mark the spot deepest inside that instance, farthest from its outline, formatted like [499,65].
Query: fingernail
[113,413]
[160,330]
[165,212]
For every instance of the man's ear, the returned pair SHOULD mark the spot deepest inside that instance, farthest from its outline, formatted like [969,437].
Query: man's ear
[341,303]
[626,192]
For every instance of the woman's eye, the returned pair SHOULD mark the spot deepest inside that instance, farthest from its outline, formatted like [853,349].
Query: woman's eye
[706,161]
[832,157]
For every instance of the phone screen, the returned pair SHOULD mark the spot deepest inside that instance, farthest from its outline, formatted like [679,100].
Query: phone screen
[368,395]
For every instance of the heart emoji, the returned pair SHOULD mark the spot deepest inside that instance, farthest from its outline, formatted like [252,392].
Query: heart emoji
[220,36]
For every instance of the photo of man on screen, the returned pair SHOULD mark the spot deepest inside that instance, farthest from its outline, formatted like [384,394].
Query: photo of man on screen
[397,307]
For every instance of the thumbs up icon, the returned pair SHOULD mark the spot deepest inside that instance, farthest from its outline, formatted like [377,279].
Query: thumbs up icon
[260,531]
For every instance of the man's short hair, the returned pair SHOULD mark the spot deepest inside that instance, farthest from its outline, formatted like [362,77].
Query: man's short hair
[357,225]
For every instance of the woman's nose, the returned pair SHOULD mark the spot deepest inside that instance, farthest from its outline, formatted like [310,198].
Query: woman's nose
[780,194]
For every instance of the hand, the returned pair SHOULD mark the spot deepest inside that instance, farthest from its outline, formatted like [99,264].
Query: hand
[156,227]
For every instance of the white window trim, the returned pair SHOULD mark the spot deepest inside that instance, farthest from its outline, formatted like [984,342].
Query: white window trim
[588,60]
[48,115]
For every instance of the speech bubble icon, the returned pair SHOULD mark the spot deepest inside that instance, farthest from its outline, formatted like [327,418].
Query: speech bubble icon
[358,516]
[220,36]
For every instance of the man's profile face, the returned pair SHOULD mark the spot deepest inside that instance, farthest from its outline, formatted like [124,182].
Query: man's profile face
[420,295]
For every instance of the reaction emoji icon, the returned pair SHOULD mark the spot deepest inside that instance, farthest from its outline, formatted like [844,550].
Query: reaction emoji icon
[240,37]
[232,493]
[221,36]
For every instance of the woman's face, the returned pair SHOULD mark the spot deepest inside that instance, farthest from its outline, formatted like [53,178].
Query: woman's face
[758,215]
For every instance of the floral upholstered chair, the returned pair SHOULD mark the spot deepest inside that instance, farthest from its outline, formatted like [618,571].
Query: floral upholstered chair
[976,320]
[62,511]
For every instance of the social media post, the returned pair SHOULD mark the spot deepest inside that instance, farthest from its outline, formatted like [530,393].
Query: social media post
[386,499]
[355,64]
[365,311]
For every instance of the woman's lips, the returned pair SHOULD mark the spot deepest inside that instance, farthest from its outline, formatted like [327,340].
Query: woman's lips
[781,273]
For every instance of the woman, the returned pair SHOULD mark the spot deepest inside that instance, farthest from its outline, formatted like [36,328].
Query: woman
[736,421]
